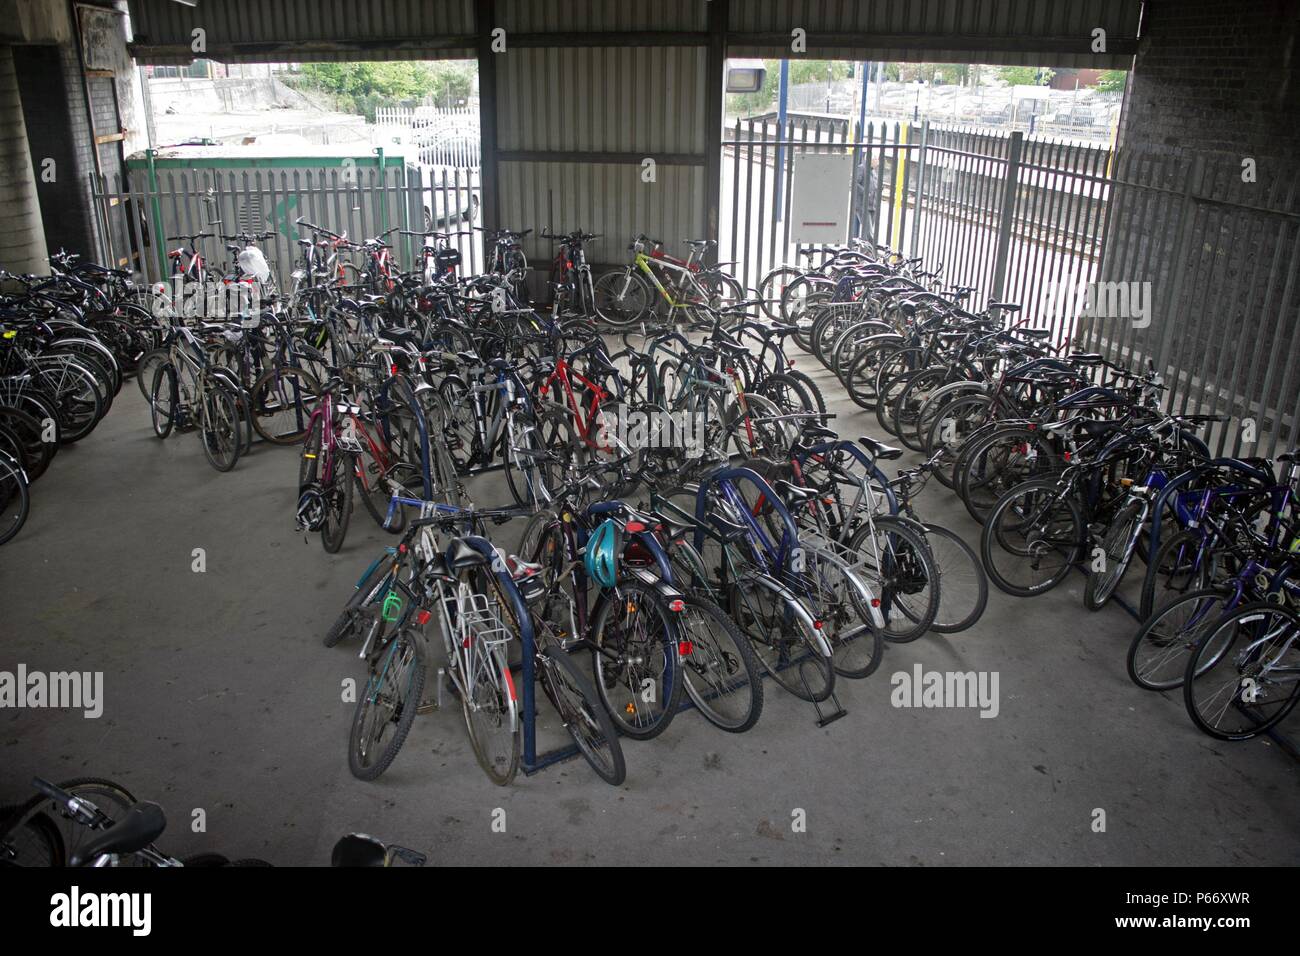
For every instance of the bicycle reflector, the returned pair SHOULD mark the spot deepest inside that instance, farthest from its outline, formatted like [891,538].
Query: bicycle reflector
[392,607]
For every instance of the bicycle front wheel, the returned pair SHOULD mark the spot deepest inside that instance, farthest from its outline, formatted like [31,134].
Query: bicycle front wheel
[582,716]
[219,431]
[719,668]
[387,706]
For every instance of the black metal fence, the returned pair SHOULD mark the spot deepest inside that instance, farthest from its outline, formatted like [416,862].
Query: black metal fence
[1177,258]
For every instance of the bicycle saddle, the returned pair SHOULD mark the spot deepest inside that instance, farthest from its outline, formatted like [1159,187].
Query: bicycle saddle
[793,494]
[460,556]
[142,824]
[727,529]
[880,449]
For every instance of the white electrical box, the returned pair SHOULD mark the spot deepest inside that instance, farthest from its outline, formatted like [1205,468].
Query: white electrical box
[819,204]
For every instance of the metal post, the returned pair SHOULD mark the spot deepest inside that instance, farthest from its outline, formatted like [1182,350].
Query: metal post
[920,186]
[783,97]
[1195,174]
[156,210]
[484,22]
[1010,185]
[714,112]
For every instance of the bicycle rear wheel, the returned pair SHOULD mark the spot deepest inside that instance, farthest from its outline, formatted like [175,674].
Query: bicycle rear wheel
[635,659]
[1032,538]
[782,638]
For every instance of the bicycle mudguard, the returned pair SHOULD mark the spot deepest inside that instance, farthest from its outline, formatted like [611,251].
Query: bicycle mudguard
[800,610]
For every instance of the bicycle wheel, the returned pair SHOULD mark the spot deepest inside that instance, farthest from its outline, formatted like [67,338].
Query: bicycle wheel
[841,603]
[387,706]
[772,286]
[1253,681]
[1032,538]
[523,463]
[990,467]
[163,399]
[337,490]
[488,703]
[282,400]
[47,828]
[622,298]
[145,368]
[963,585]
[719,668]
[895,561]
[30,839]
[15,498]
[782,637]
[1157,656]
[1116,554]
[948,430]
[583,717]
[906,413]
[219,427]
[635,659]
[1182,563]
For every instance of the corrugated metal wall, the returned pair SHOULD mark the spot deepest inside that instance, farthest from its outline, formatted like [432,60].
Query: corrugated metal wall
[641,102]
[590,16]
[261,31]
[1030,32]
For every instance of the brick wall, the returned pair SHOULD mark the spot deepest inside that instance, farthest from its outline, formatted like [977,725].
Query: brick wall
[55,109]
[1218,76]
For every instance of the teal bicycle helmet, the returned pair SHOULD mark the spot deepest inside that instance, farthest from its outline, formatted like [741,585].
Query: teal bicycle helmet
[601,558]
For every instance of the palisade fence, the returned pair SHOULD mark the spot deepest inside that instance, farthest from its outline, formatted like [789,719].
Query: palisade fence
[1219,259]
[1203,266]
[1138,255]
[137,213]
[442,136]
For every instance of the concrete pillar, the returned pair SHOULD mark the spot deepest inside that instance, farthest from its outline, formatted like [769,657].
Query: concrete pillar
[22,236]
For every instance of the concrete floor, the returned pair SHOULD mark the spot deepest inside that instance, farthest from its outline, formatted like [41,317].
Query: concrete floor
[220,696]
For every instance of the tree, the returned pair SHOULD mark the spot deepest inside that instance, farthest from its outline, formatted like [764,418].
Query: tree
[1111,81]
[1025,75]
[360,87]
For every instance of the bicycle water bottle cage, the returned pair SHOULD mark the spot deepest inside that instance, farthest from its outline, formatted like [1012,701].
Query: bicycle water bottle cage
[392,606]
